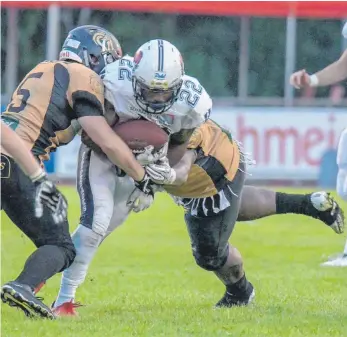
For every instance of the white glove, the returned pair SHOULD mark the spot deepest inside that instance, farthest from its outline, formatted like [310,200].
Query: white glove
[139,201]
[161,173]
[149,156]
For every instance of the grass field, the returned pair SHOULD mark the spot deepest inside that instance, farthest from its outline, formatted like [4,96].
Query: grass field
[144,281]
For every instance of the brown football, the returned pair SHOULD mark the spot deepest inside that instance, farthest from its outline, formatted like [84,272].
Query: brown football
[140,133]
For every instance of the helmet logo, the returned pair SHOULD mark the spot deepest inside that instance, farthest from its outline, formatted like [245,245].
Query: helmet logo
[159,76]
[104,42]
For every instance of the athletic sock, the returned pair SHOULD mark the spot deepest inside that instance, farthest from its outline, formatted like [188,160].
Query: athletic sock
[239,287]
[41,265]
[295,203]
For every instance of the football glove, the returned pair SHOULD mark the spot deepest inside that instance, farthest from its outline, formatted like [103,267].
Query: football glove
[149,156]
[139,201]
[161,173]
[48,195]
[143,195]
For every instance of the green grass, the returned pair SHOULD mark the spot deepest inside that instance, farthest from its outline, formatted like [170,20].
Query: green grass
[144,282]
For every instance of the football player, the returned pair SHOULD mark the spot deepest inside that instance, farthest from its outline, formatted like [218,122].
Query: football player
[207,180]
[153,86]
[13,147]
[40,111]
[332,74]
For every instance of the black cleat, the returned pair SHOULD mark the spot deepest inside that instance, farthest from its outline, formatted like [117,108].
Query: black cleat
[21,296]
[328,211]
[230,300]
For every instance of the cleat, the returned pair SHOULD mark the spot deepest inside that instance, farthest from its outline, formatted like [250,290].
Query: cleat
[230,300]
[339,261]
[329,211]
[21,296]
[66,309]
[39,287]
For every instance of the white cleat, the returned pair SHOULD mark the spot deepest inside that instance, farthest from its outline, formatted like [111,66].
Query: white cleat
[340,261]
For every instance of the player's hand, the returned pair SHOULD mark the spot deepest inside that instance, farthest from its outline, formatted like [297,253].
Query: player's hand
[161,173]
[48,195]
[149,156]
[300,79]
[142,196]
[139,201]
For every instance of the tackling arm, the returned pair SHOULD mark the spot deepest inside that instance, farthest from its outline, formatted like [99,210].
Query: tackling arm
[183,167]
[178,145]
[112,145]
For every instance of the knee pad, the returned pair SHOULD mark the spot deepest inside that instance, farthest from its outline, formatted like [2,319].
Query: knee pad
[210,263]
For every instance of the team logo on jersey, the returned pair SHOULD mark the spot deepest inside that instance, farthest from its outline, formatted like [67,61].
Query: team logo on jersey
[5,167]
[160,75]
[104,42]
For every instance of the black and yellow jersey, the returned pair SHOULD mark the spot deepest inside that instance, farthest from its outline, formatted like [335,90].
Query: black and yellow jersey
[217,162]
[48,99]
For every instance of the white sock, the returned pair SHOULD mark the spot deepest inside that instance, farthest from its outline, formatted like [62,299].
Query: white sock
[86,243]
[345,250]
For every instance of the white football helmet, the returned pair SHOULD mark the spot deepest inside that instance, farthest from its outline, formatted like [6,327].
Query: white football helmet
[157,76]
[344,30]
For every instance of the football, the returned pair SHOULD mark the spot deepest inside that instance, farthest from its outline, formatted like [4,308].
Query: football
[139,133]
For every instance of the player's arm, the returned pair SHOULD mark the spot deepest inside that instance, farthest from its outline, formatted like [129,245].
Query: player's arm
[112,145]
[183,167]
[86,97]
[13,145]
[162,173]
[46,192]
[178,145]
[333,73]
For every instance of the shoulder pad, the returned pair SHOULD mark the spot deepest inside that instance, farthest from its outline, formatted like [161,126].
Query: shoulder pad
[194,95]
[116,77]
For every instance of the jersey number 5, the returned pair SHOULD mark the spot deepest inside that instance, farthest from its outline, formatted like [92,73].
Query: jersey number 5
[190,93]
[25,93]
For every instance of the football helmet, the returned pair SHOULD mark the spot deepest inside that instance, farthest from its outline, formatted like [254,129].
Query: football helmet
[344,30]
[92,46]
[157,76]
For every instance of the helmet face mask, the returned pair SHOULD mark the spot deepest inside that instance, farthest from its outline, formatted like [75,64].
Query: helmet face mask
[92,46]
[157,76]
[155,101]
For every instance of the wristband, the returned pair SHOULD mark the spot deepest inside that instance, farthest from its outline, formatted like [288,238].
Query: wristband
[314,81]
[39,174]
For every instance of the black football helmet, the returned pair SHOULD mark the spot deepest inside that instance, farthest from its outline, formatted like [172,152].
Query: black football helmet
[93,46]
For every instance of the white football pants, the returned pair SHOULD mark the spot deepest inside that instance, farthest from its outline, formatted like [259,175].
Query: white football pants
[103,197]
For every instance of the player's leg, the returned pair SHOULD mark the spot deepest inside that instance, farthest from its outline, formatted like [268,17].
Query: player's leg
[341,188]
[209,237]
[96,183]
[258,203]
[55,250]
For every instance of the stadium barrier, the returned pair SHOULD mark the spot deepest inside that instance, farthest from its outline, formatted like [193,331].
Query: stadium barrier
[288,144]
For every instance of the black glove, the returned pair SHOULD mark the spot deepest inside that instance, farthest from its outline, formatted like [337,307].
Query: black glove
[145,185]
[48,195]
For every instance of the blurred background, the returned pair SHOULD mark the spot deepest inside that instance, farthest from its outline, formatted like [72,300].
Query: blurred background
[243,54]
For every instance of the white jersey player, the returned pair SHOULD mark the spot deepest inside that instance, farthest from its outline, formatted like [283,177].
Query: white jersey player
[332,74]
[151,85]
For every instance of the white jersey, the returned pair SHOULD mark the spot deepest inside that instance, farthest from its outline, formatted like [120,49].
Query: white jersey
[190,110]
